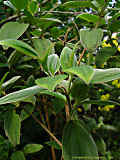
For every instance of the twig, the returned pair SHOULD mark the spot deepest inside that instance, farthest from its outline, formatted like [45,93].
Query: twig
[49,127]
[82,54]
[61,12]
[45,128]
[9,19]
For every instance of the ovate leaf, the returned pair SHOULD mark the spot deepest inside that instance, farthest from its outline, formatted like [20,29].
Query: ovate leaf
[105,75]
[33,7]
[20,46]
[44,47]
[104,54]
[84,72]
[91,39]
[22,4]
[12,30]
[32,148]
[78,143]
[53,64]
[50,82]
[12,125]
[20,95]
[18,156]
[67,58]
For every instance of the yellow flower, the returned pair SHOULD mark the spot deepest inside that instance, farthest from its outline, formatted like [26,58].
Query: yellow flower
[104,44]
[118,85]
[115,82]
[118,48]
[100,90]
[105,97]
[115,43]
[99,108]
[79,110]
[108,107]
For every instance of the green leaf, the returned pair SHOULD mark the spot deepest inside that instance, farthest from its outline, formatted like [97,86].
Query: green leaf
[18,156]
[67,58]
[24,115]
[20,46]
[33,7]
[32,148]
[44,47]
[91,18]
[53,144]
[20,95]
[77,4]
[12,80]
[105,75]
[54,94]
[31,99]
[44,20]
[78,143]
[22,4]
[94,76]
[104,54]
[91,39]
[99,4]
[100,145]
[50,82]
[100,102]
[84,72]
[12,30]
[12,125]
[79,90]
[53,64]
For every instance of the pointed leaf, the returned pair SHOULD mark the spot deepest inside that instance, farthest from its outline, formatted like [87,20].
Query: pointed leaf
[91,18]
[12,125]
[77,4]
[100,102]
[53,64]
[18,156]
[78,143]
[84,72]
[12,30]
[20,95]
[32,148]
[19,46]
[12,80]
[22,4]
[54,94]
[33,7]
[67,58]
[50,82]
[105,75]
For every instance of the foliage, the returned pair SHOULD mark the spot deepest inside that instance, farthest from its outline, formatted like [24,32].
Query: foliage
[60,79]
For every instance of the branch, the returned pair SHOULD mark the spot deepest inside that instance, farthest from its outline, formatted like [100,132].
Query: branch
[45,128]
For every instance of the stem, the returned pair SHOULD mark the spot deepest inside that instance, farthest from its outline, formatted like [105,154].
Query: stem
[49,127]
[45,128]
[82,54]
[90,56]
[67,111]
